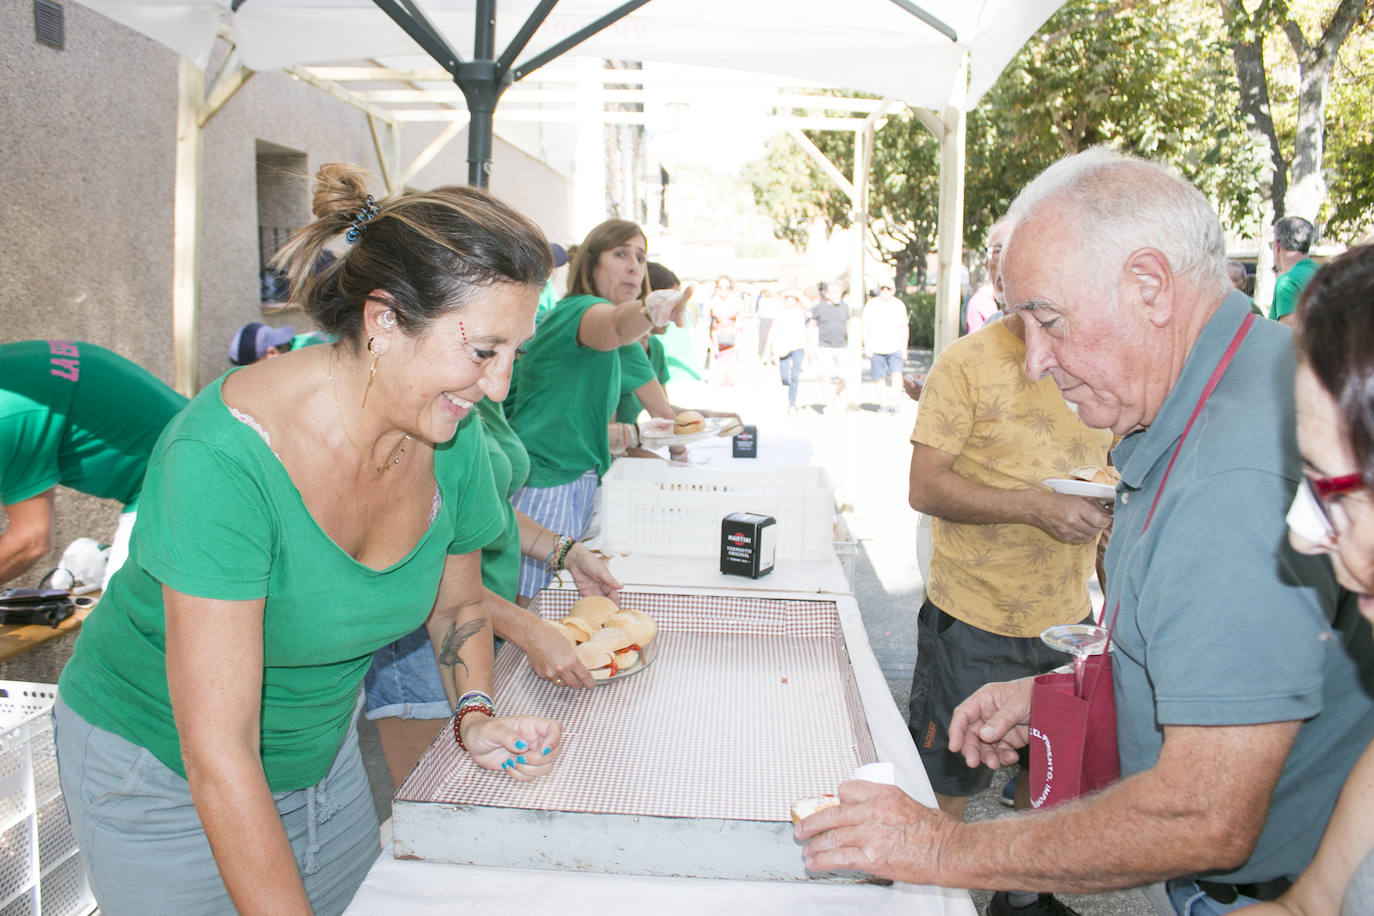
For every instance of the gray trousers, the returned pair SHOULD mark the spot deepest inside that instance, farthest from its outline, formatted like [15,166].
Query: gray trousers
[146,853]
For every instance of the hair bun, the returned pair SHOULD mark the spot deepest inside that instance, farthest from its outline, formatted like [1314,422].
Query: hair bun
[340,190]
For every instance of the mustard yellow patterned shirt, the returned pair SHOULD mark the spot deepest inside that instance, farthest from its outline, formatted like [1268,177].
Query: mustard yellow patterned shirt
[1008,432]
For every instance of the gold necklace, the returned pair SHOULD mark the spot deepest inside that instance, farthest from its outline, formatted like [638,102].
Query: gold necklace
[396,453]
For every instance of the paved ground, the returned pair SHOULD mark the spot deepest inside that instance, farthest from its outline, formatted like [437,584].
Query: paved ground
[868,459]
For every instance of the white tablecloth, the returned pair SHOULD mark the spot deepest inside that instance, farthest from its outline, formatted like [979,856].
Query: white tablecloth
[394,886]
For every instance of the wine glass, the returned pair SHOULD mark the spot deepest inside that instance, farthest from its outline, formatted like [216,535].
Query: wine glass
[1079,640]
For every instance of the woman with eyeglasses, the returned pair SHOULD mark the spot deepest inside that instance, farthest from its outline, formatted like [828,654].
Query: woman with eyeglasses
[1333,513]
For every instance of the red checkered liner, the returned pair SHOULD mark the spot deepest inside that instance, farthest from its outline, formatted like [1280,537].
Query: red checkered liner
[749,704]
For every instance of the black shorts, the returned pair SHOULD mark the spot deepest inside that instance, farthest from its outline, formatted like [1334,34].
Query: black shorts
[954,659]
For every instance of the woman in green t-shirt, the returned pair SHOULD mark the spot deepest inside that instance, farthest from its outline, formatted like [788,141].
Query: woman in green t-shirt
[297,515]
[570,380]
[404,692]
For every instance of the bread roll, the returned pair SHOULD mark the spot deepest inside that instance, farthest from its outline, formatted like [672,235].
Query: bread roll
[803,808]
[613,639]
[566,632]
[593,656]
[594,609]
[689,421]
[626,658]
[1092,474]
[603,674]
[580,628]
[641,627]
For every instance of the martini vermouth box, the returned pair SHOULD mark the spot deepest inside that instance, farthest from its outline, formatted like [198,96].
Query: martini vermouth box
[748,544]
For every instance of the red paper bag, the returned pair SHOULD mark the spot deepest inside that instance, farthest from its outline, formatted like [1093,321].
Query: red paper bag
[1073,739]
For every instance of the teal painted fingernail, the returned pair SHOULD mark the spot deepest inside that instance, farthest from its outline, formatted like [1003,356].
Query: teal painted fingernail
[520,745]
[547,749]
[520,759]
[507,763]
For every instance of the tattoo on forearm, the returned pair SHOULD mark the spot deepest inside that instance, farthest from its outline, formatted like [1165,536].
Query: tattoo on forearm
[454,640]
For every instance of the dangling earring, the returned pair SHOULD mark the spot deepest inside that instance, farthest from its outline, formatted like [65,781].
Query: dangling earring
[371,372]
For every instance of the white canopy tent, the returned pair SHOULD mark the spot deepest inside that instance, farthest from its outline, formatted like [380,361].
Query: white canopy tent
[938,56]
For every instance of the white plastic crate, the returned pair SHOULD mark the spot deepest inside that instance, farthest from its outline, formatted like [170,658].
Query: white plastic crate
[652,508]
[40,870]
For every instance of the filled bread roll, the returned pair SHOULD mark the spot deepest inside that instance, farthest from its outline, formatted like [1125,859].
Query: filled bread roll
[641,627]
[803,808]
[689,421]
[580,628]
[1093,474]
[566,632]
[594,656]
[626,658]
[594,609]
[612,639]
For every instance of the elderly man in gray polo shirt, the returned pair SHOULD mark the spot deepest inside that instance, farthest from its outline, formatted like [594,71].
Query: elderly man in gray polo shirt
[1238,672]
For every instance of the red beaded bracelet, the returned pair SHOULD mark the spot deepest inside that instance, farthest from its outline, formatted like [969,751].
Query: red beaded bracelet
[458,720]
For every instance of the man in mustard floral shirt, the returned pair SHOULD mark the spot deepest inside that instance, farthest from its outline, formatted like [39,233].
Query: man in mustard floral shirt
[1009,556]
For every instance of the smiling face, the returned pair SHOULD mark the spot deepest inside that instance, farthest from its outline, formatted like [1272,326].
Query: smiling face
[619,272]
[462,357]
[1324,443]
[1083,337]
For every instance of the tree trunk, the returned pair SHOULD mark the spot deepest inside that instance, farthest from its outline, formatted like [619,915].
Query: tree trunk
[1306,191]
[1248,55]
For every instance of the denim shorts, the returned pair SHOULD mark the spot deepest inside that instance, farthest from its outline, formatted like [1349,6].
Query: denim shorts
[881,365]
[565,509]
[146,853]
[404,682]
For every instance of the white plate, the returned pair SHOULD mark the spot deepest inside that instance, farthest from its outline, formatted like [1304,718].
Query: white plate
[656,432]
[1081,488]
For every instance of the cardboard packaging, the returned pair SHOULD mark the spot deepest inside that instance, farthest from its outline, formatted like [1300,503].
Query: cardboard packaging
[748,544]
[745,444]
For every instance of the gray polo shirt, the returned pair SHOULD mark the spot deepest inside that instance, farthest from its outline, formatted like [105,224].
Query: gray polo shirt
[1222,622]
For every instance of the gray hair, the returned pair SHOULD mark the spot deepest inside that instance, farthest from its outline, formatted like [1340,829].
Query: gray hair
[1293,233]
[1118,204]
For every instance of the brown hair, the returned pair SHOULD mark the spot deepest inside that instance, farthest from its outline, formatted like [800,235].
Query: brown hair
[611,234]
[430,251]
[1335,338]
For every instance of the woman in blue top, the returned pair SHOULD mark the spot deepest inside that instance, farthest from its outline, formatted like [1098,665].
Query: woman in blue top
[297,515]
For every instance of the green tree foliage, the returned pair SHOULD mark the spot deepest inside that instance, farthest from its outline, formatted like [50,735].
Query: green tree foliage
[1147,76]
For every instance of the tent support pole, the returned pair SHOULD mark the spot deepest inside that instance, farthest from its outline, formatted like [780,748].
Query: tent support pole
[186,198]
[951,241]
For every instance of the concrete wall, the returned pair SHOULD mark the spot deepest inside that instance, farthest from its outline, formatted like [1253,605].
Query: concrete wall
[86,181]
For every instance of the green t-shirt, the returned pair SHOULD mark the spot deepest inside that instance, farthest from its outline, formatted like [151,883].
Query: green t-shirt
[567,395]
[75,414]
[628,409]
[510,465]
[1289,286]
[220,518]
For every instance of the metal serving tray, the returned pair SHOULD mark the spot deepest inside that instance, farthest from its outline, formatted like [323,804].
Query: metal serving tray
[689,768]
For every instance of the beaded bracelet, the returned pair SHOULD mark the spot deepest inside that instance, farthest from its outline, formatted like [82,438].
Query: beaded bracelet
[559,555]
[472,706]
[481,697]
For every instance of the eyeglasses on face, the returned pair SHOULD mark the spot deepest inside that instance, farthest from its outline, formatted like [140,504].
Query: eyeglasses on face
[1313,501]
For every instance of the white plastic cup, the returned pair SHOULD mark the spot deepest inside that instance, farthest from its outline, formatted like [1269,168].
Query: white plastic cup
[881,772]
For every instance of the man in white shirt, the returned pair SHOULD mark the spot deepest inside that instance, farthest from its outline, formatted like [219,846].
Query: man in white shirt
[886,331]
